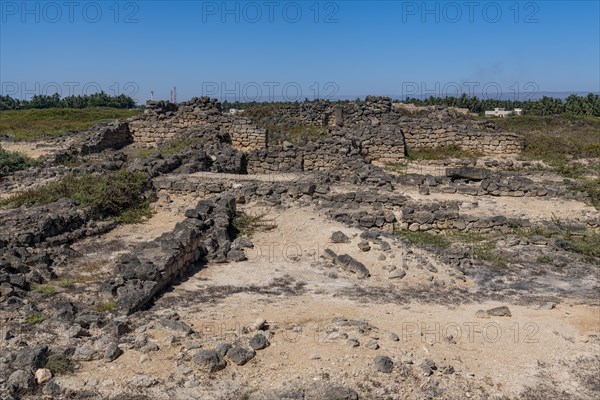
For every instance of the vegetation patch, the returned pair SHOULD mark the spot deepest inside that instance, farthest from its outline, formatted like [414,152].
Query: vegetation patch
[66,282]
[295,133]
[441,153]
[107,307]
[425,239]
[53,122]
[12,161]
[121,195]
[486,251]
[168,148]
[555,139]
[35,318]
[573,105]
[247,225]
[59,364]
[592,188]
[587,245]
[44,289]
[398,168]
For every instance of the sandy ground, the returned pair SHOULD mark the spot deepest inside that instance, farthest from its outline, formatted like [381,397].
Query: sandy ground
[535,209]
[37,148]
[287,283]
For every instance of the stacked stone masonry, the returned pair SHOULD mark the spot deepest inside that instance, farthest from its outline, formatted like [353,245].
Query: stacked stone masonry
[425,128]
[378,129]
[163,120]
[203,235]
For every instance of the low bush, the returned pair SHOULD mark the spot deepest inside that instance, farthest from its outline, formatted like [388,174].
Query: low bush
[12,161]
[441,153]
[121,195]
[425,239]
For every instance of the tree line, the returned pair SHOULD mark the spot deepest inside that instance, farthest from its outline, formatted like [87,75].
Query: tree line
[100,99]
[574,104]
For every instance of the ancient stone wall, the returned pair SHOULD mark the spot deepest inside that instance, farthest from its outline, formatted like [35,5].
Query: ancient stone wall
[162,120]
[383,129]
[203,235]
[425,127]
[102,136]
[322,155]
[425,133]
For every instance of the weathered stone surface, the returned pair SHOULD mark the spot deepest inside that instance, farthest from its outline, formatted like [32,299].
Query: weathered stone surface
[339,237]
[240,355]
[501,311]
[474,174]
[383,364]
[259,342]
[112,352]
[209,360]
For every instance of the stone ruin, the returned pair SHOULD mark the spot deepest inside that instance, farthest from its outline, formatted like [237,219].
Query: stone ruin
[375,128]
[335,176]
[162,120]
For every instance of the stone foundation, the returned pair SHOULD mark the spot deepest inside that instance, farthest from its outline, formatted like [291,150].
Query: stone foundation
[163,120]
[382,130]
[202,236]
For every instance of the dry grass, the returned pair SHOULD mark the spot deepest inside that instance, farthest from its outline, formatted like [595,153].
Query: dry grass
[53,122]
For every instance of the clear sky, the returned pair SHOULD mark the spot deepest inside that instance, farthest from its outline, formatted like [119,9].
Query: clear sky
[299,49]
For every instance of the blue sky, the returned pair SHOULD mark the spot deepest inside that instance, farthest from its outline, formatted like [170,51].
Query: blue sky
[299,49]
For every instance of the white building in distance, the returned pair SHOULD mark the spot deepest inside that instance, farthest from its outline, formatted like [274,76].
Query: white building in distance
[501,112]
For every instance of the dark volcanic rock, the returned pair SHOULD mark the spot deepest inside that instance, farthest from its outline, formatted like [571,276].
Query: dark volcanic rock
[470,173]
[383,364]
[259,342]
[240,355]
[209,360]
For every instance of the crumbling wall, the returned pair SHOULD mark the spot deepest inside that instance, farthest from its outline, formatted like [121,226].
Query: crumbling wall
[385,128]
[202,236]
[162,120]
[102,136]
[322,155]
[425,127]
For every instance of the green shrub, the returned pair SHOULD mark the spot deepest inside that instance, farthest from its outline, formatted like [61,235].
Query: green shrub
[66,282]
[556,139]
[441,153]
[107,307]
[119,195]
[247,225]
[35,318]
[54,122]
[587,245]
[168,148]
[12,161]
[425,239]
[487,252]
[44,289]
[59,365]
[592,188]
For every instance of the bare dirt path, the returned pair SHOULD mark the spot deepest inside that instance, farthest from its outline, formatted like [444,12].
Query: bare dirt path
[310,318]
